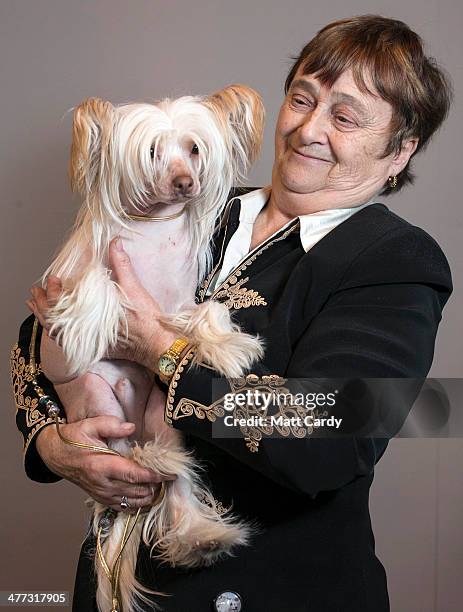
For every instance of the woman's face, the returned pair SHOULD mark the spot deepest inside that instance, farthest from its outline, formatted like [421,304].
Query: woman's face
[330,141]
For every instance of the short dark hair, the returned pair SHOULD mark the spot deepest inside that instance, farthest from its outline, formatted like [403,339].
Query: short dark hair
[393,57]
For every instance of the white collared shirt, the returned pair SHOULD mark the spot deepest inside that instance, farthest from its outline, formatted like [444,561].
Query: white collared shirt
[313,227]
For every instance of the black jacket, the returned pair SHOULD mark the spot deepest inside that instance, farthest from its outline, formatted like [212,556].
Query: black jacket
[365,301]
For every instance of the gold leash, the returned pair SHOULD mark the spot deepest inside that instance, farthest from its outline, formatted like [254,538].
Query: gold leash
[113,576]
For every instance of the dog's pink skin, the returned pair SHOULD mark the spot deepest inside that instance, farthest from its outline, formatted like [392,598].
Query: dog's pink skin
[159,255]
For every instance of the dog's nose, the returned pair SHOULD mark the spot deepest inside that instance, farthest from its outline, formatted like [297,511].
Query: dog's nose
[183,184]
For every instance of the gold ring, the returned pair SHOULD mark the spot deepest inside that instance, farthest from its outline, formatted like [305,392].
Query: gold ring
[124,504]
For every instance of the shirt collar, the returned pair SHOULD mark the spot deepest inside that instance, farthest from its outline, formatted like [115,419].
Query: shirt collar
[310,224]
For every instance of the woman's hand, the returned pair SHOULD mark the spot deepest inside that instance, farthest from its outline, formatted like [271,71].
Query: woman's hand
[147,338]
[106,478]
[43,299]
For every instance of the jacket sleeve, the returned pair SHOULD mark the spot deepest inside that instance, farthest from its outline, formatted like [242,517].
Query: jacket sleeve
[380,322]
[31,415]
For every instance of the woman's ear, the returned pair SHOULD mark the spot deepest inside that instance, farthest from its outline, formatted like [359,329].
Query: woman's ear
[91,129]
[241,114]
[401,159]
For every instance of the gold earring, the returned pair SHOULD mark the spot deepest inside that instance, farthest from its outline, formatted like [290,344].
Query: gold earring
[392,182]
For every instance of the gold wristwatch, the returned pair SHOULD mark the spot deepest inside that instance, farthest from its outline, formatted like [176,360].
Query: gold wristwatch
[168,361]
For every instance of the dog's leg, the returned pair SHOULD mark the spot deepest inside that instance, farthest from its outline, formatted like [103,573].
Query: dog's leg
[86,319]
[89,396]
[131,386]
[119,389]
[220,342]
[184,528]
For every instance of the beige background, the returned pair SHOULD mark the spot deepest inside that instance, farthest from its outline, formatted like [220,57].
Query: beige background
[54,53]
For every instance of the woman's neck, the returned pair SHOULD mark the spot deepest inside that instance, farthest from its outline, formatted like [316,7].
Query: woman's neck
[290,204]
[269,220]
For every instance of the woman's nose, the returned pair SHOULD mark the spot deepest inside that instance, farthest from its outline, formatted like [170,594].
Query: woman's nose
[314,128]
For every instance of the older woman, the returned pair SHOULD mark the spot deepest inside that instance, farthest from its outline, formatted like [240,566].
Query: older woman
[339,287]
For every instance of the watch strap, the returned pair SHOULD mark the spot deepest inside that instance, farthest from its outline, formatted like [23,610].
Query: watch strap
[176,349]
[173,354]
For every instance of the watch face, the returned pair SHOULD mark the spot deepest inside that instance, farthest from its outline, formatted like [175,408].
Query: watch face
[166,365]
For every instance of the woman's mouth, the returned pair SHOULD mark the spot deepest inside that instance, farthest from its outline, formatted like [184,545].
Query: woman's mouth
[310,158]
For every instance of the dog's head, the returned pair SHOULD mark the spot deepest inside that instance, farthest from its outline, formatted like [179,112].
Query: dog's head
[133,157]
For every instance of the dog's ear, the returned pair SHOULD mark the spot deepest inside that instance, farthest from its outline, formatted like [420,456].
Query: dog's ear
[91,128]
[241,113]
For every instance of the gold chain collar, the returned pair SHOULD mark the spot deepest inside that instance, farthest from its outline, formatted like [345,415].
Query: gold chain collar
[149,218]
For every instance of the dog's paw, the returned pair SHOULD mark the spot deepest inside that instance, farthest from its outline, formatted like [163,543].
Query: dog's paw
[219,341]
[234,355]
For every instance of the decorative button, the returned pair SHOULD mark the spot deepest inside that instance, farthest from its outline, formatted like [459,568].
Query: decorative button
[228,601]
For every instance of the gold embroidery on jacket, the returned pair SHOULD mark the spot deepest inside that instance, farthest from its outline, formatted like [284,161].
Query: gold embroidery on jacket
[206,282]
[239,296]
[187,407]
[252,434]
[243,265]
[22,374]
[273,384]
[248,261]
[43,423]
[212,502]
[168,412]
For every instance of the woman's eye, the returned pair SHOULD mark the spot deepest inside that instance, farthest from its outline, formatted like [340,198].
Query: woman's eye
[344,120]
[152,152]
[194,149]
[299,101]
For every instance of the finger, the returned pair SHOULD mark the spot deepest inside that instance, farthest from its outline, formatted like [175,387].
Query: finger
[114,490]
[127,471]
[54,289]
[134,504]
[137,491]
[122,268]
[103,427]
[121,470]
[41,300]
[114,502]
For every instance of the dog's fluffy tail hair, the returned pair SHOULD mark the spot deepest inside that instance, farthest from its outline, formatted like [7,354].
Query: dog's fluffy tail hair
[186,529]
[87,318]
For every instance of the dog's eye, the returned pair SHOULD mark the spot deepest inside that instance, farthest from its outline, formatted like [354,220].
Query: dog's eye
[152,152]
[194,149]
